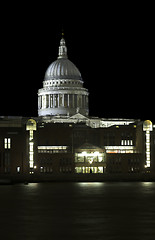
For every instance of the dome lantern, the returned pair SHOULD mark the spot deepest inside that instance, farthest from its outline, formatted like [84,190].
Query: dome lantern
[62,49]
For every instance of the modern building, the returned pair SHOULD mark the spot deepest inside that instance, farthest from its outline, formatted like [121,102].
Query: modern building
[65,139]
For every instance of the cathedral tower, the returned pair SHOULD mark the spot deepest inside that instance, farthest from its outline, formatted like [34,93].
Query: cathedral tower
[63,92]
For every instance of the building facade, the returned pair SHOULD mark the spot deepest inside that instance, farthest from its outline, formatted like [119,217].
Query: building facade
[65,139]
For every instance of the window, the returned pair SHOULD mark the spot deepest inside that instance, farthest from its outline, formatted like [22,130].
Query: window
[18,169]
[127,142]
[31,153]
[7,143]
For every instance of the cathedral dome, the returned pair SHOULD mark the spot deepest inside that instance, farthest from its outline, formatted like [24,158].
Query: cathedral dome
[62,68]
[63,93]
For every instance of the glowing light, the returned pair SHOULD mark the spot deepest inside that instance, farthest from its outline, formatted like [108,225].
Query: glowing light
[147,127]
[18,169]
[147,183]
[90,154]
[95,184]
[87,169]
[31,126]
[51,147]
[83,154]
[120,149]
[127,142]
[100,159]
[7,143]
[90,160]
[96,153]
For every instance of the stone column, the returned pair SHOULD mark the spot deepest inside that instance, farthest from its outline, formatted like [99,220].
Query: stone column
[53,100]
[51,96]
[49,104]
[63,100]
[44,101]
[39,102]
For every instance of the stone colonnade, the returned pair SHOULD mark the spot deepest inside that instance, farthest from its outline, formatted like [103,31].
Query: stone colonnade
[62,100]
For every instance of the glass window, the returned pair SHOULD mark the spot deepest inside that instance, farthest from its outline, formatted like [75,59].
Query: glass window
[100,169]
[78,169]
[7,143]
[80,159]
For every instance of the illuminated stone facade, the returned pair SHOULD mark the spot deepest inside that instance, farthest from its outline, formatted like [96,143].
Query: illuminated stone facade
[64,139]
[33,146]
[63,92]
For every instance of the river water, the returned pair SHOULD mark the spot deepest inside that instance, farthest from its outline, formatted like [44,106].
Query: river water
[84,211]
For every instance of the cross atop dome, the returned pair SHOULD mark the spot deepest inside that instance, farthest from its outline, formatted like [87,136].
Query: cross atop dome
[62,33]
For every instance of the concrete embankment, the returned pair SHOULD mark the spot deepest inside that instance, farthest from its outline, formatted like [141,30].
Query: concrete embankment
[11,179]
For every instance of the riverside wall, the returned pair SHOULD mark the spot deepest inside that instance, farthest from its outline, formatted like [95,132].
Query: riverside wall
[28,178]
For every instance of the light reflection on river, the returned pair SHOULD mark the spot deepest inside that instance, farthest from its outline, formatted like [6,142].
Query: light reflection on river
[81,211]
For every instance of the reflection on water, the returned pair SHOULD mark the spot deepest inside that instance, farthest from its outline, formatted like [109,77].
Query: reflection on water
[78,211]
[147,186]
[93,184]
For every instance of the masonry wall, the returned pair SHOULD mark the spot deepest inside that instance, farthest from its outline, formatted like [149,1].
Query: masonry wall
[14,146]
[13,150]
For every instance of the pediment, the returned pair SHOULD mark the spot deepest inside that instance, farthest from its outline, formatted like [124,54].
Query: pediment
[79,116]
[89,146]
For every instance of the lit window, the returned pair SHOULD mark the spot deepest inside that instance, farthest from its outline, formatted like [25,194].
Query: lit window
[31,126]
[7,143]
[31,146]
[31,164]
[18,169]
[31,135]
[31,156]
[100,159]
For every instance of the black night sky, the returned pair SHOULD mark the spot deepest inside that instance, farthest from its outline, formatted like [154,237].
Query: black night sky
[112,46]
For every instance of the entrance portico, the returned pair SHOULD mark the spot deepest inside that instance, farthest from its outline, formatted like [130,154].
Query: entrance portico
[90,159]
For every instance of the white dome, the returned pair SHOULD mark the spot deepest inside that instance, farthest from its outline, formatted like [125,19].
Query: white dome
[66,96]
[62,68]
